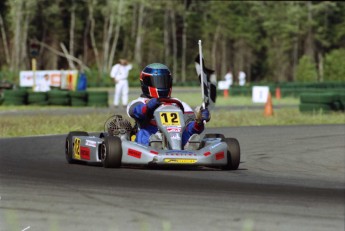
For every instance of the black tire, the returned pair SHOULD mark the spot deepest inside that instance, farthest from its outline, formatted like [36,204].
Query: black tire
[15,93]
[233,154]
[78,95]
[38,98]
[97,104]
[315,107]
[69,145]
[13,101]
[111,152]
[318,98]
[102,94]
[14,97]
[77,102]
[98,99]
[59,101]
[58,94]
[57,97]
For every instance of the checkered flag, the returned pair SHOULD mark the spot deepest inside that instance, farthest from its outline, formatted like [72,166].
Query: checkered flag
[209,81]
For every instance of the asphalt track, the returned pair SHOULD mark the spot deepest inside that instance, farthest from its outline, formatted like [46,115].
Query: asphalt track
[290,178]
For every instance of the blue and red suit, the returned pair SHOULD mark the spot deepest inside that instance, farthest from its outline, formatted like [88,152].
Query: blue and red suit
[142,110]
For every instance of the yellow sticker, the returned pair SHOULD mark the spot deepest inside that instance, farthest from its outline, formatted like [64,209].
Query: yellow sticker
[170,119]
[133,137]
[180,161]
[76,148]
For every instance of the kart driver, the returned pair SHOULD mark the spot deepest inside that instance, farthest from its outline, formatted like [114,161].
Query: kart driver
[156,82]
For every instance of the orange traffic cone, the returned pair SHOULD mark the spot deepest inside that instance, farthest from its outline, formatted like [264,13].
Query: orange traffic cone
[278,95]
[226,93]
[268,106]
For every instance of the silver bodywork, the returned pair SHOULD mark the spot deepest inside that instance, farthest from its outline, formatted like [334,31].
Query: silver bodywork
[165,146]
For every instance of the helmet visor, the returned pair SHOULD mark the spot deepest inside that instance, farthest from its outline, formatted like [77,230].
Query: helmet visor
[158,81]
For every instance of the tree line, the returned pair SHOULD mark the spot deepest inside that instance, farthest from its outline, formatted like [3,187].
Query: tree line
[276,41]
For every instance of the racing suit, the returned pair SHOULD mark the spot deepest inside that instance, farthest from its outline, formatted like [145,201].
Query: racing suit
[141,110]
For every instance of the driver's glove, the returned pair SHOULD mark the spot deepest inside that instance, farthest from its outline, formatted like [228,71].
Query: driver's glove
[203,115]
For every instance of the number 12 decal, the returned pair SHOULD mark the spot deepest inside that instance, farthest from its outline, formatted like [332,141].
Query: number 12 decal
[76,148]
[170,119]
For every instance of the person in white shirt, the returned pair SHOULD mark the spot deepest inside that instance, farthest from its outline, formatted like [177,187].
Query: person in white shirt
[43,85]
[119,72]
[228,78]
[242,78]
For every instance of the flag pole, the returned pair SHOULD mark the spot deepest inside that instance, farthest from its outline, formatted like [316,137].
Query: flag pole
[202,78]
[201,75]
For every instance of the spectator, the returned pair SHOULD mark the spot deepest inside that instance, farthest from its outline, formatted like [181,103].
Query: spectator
[241,78]
[119,73]
[44,84]
[229,78]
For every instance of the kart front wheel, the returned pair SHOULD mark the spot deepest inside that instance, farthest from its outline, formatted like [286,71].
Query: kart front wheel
[111,152]
[69,145]
[233,154]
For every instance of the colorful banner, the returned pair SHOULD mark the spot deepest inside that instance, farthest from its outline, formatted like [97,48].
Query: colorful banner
[66,79]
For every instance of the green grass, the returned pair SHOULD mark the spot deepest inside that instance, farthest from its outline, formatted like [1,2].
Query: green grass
[192,96]
[36,120]
[44,124]
[286,116]
[194,99]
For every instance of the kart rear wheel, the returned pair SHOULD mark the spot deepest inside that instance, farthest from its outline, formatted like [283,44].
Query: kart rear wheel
[111,152]
[233,154]
[69,145]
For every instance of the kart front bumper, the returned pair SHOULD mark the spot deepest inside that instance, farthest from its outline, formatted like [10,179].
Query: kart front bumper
[210,155]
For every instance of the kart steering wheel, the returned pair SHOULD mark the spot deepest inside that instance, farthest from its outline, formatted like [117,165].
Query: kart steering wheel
[170,101]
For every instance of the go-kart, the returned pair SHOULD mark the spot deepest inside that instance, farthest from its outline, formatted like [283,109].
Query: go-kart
[115,146]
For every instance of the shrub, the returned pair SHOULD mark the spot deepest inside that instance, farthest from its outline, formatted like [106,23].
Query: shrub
[334,66]
[306,70]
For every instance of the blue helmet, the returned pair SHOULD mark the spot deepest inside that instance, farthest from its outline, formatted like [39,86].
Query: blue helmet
[156,81]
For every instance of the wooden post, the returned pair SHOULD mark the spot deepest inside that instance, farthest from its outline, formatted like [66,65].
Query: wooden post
[34,68]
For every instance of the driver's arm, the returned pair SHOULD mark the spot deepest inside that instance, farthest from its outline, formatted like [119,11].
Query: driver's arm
[143,111]
[197,126]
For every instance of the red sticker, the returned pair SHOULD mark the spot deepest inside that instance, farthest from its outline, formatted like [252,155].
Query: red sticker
[85,153]
[154,152]
[207,153]
[219,155]
[134,153]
